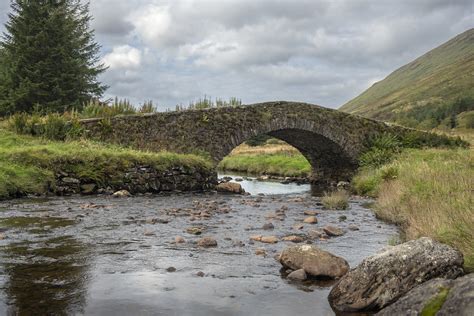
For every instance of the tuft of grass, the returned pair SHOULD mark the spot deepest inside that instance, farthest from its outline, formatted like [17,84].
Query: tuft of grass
[28,164]
[428,193]
[337,200]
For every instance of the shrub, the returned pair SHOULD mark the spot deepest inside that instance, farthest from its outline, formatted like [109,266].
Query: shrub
[55,127]
[337,200]
[19,123]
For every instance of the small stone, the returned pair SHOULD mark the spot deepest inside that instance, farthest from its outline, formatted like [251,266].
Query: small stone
[333,231]
[2,236]
[353,227]
[200,274]
[316,233]
[179,240]
[150,221]
[238,244]
[195,230]
[311,220]
[148,232]
[268,226]
[269,239]
[256,237]
[298,275]
[342,218]
[121,193]
[171,269]
[239,179]
[70,180]
[298,226]
[207,242]
[260,252]
[295,239]
[311,213]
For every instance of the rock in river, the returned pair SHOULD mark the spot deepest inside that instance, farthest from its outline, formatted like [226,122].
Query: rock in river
[298,275]
[316,262]
[179,240]
[121,193]
[311,220]
[195,230]
[293,238]
[230,187]
[268,226]
[441,296]
[381,279]
[333,231]
[269,239]
[207,242]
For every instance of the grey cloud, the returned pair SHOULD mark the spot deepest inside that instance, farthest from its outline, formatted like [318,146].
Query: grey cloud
[324,52]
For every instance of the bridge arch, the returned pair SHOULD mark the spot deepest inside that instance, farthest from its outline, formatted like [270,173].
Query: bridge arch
[332,141]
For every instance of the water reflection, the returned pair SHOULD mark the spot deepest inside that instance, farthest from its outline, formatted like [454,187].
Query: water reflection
[43,276]
[105,256]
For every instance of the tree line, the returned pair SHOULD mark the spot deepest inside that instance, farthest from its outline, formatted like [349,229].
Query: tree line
[49,59]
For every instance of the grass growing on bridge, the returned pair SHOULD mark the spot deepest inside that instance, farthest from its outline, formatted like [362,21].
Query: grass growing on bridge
[273,159]
[28,164]
[428,193]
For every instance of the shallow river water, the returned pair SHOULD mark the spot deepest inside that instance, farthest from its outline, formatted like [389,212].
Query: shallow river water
[106,256]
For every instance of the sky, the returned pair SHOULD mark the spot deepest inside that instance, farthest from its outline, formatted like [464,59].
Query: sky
[324,52]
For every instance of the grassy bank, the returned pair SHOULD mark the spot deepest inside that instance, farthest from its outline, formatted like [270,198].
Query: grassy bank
[28,164]
[272,159]
[429,193]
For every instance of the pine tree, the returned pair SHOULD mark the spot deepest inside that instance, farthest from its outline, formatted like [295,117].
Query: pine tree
[51,57]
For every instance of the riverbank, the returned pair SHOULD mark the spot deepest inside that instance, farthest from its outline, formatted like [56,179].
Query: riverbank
[34,166]
[428,193]
[272,159]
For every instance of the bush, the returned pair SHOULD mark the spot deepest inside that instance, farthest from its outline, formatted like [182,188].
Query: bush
[337,200]
[55,127]
[381,150]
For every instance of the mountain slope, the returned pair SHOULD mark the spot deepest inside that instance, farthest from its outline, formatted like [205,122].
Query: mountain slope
[434,82]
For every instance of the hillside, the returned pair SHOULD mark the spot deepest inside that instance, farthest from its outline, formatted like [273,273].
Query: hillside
[431,90]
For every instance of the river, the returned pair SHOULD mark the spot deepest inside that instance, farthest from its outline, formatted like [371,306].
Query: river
[104,256]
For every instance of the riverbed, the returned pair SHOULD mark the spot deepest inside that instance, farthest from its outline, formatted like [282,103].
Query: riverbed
[100,255]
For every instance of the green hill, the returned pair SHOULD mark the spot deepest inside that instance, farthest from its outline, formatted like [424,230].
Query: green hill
[435,89]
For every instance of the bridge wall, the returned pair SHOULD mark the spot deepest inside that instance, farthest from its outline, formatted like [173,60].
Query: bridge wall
[331,140]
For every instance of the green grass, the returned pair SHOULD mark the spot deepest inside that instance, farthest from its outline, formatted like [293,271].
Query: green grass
[439,77]
[337,200]
[429,193]
[28,164]
[281,164]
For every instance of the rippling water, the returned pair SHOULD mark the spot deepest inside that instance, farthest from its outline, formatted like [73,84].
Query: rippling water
[105,256]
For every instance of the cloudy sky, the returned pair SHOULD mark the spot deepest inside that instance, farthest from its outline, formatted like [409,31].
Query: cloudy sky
[319,51]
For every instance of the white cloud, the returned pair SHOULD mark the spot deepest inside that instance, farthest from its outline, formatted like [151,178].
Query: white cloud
[123,57]
[151,23]
[319,51]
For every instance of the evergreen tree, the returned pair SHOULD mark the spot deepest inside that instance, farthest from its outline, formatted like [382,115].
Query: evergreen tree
[50,57]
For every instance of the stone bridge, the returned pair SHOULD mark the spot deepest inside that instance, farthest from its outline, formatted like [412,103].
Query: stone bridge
[332,141]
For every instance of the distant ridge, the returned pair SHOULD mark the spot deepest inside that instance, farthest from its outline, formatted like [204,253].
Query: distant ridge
[433,83]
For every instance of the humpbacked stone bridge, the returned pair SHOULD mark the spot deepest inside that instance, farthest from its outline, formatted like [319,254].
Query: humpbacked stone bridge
[332,141]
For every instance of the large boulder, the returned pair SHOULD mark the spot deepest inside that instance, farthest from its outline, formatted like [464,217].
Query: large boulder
[383,278]
[438,296]
[315,262]
[230,187]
